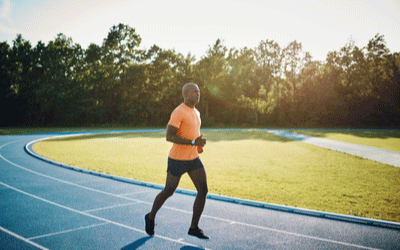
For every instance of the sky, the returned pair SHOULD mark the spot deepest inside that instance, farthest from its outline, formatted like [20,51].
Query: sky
[192,27]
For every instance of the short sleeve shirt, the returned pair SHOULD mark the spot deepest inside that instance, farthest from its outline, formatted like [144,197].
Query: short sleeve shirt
[188,122]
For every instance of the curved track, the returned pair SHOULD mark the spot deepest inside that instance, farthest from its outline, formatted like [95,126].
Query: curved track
[44,206]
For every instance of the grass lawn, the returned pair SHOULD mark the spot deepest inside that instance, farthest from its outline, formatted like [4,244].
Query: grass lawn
[248,164]
[380,139]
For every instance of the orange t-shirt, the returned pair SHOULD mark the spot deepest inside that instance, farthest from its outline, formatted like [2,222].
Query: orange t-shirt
[188,122]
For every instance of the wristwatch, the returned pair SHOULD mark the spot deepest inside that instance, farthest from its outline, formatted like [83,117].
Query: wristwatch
[193,142]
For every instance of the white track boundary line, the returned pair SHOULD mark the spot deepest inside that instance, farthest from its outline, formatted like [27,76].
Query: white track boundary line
[140,192]
[306,236]
[22,238]
[94,216]
[188,212]
[110,207]
[67,231]
[66,182]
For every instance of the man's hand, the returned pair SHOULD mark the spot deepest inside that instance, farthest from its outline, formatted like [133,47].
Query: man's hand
[200,141]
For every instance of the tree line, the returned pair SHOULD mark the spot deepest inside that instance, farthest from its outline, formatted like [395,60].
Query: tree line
[62,84]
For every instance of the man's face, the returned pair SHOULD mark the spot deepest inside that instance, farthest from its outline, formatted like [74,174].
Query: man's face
[193,94]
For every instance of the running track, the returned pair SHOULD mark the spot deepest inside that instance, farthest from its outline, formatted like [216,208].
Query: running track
[45,206]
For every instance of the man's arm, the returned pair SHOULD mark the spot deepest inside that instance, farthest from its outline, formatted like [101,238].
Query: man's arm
[174,138]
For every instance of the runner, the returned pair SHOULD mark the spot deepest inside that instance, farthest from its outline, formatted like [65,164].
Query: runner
[183,130]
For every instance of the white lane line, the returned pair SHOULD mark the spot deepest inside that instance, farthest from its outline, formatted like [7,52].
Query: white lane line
[11,142]
[304,236]
[23,239]
[67,231]
[93,216]
[110,207]
[56,179]
[140,192]
[188,212]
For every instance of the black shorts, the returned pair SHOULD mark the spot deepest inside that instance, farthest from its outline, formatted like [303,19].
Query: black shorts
[178,168]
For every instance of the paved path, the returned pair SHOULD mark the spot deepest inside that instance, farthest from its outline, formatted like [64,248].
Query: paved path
[44,206]
[376,154]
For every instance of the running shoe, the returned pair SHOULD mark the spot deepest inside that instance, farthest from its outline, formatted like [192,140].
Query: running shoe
[197,232]
[149,225]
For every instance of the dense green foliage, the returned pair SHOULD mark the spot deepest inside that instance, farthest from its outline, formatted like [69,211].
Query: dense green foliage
[117,83]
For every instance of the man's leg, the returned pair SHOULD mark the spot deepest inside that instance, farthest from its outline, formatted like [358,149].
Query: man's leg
[169,189]
[199,179]
[171,184]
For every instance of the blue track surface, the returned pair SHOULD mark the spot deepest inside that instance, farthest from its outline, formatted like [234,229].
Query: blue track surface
[44,206]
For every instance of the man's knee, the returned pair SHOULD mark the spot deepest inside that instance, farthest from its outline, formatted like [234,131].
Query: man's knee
[203,190]
[168,192]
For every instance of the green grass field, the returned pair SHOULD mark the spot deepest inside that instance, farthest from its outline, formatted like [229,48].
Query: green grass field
[248,164]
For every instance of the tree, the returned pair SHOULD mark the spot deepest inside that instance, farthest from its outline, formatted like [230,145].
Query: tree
[21,77]
[61,85]
[94,110]
[292,64]
[160,87]
[384,86]
[294,60]
[119,50]
[268,73]
[211,73]
[6,95]
[250,91]
[380,72]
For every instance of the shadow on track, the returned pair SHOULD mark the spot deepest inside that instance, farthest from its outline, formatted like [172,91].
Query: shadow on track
[135,245]
[191,248]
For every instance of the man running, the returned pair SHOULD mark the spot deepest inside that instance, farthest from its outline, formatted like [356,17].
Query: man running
[183,130]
